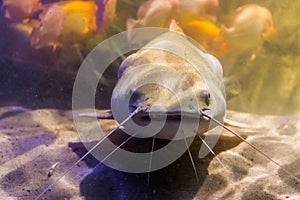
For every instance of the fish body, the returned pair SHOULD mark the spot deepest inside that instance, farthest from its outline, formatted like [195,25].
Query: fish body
[251,25]
[79,21]
[27,27]
[203,26]
[106,12]
[51,25]
[174,77]
[153,13]
[157,13]
[71,22]
[204,31]
[21,9]
[201,8]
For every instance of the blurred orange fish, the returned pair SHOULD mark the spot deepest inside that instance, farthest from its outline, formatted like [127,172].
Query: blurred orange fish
[195,17]
[154,13]
[158,13]
[20,9]
[205,9]
[71,22]
[251,25]
[200,29]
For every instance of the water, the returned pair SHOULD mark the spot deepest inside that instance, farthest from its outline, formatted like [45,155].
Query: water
[42,79]
[270,83]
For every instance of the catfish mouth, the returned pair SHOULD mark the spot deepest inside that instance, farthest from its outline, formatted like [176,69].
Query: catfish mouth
[144,117]
[188,122]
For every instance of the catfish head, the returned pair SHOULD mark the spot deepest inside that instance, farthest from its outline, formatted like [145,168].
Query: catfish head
[172,80]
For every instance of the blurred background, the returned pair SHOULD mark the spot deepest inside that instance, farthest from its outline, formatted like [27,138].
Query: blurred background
[263,79]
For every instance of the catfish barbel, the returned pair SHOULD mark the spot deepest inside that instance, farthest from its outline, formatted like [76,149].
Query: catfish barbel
[170,89]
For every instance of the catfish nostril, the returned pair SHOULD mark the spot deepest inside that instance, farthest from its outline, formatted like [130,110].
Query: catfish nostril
[205,95]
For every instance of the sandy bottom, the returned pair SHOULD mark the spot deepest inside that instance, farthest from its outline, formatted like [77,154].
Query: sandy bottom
[33,140]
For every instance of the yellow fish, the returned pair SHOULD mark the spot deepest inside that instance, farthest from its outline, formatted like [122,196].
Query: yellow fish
[71,22]
[200,29]
[79,21]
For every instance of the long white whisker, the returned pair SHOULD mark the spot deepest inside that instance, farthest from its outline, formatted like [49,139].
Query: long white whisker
[191,158]
[210,149]
[118,147]
[85,155]
[150,161]
[252,146]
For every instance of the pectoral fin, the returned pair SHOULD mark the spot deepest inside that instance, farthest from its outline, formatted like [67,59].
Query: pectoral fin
[100,114]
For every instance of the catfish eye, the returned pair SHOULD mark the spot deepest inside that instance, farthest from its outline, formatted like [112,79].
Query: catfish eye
[205,95]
